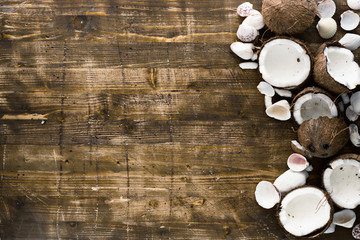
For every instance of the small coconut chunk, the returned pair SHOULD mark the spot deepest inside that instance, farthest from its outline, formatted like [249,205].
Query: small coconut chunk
[243,50]
[255,19]
[326,27]
[266,195]
[326,9]
[349,20]
[296,147]
[268,101]
[354,4]
[247,33]
[279,110]
[313,105]
[356,231]
[350,41]
[355,102]
[290,180]
[309,168]
[342,181]
[266,89]
[254,57]
[297,162]
[345,218]
[330,229]
[305,211]
[350,114]
[345,97]
[248,65]
[283,92]
[354,135]
[284,63]
[341,106]
[342,67]
[244,9]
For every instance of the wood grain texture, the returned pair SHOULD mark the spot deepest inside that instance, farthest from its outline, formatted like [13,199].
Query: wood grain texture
[132,120]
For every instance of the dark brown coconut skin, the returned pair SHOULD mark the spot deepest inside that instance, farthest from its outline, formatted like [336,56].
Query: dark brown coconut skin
[317,232]
[303,45]
[288,16]
[323,137]
[321,75]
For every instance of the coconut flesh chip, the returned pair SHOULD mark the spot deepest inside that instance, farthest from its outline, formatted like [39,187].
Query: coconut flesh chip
[304,211]
[342,67]
[313,105]
[342,181]
[266,194]
[284,63]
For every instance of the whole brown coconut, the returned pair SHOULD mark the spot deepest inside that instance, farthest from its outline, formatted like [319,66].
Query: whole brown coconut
[323,137]
[321,75]
[288,16]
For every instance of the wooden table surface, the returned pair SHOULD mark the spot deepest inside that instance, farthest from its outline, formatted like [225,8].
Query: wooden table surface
[132,120]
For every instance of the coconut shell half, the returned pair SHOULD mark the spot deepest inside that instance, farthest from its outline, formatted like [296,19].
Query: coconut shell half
[323,137]
[288,16]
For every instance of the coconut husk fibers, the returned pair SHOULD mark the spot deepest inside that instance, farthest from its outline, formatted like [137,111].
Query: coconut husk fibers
[288,16]
[321,75]
[323,137]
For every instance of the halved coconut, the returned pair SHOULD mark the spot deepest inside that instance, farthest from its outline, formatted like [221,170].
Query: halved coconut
[284,62]
[282,16]
[266,194]
[305,212]
[335,69]
[323,137]
[312,103]
[341,179]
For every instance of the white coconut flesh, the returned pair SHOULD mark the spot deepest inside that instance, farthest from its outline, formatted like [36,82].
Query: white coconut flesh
[266,194]
[342,67]
[304,211]
[312,106]
[342,181]
[284,63]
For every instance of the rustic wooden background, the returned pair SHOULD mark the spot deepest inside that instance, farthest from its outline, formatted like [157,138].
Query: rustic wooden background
[132,120]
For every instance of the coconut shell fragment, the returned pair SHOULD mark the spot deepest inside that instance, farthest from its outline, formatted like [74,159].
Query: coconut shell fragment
[323,137]
[282,16]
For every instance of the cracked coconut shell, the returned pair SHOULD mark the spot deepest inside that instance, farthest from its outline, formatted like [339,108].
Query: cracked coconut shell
[288,16]
[323,137]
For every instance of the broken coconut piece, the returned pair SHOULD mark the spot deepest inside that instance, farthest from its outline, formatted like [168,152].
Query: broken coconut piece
[350,41]
[345,218]
[353,4]
[247,33]
[243,10]
[345,98]
[266,195]
[355,102]
[282,16]
[341,106]
[341,179]
[350,114]
[290,180]
[326,27]
[248,65]
[354,135]
[335,69]
[297,162]
[296,147]
[305,212]
[349,20]
[330,229]
[268,101]
[326,9]
[283,92]
[311,103]
[254,19]
[243,50]
[266,89]
[279,110]
[284,63]
[356,231]
[323,137]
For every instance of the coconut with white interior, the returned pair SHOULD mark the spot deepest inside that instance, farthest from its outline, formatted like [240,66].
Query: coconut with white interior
[341,179]
[305,212]
[266,194]
[284,62]
[344,218]
[311,103]
[335,69]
